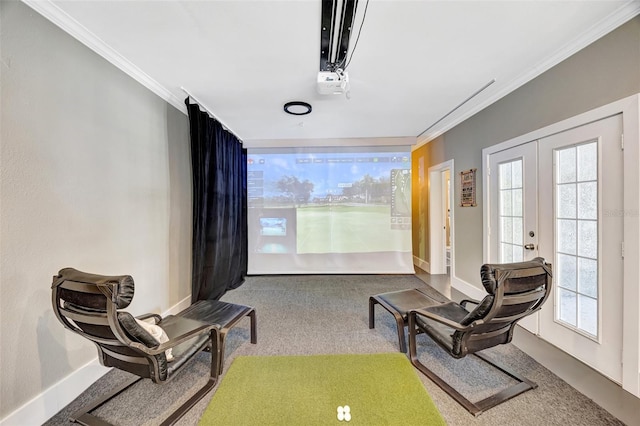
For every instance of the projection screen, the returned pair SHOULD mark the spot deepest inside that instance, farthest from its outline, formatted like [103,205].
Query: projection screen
[329,210]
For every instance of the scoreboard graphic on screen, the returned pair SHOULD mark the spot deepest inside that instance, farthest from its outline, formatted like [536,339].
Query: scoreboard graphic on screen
[400,199]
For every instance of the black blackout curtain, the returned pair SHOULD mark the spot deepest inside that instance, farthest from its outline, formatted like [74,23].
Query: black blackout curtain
[219,166]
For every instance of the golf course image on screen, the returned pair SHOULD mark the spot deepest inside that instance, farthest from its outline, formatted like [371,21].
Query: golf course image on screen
[307,202]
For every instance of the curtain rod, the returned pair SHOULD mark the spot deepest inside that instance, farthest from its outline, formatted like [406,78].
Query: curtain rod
[208,111]
[477,92]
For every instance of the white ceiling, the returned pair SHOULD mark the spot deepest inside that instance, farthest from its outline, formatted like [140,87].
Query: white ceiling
[415,60]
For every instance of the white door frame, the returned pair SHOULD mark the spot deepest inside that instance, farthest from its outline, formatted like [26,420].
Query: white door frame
[437,242]
[630,109]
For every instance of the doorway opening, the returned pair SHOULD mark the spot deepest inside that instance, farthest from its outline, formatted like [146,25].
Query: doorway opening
[441,222]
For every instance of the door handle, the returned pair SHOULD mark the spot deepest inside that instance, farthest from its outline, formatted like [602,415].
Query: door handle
[530,246]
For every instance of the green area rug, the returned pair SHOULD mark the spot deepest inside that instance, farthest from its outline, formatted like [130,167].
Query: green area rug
[380,389]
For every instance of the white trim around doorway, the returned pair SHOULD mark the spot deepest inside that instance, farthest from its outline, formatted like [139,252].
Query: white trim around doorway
[437,243]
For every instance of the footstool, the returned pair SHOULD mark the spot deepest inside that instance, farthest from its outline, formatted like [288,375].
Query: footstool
[399,303]
[225,315]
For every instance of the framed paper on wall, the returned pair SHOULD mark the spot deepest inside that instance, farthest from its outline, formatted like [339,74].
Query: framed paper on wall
[468,188]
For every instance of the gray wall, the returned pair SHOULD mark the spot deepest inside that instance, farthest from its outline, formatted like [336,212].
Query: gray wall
[603,72]
[95,174]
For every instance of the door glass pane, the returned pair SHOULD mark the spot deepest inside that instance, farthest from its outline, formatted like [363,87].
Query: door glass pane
[576,197]
[506,254]
[516,195]
[566,236]
[588,277]
[568,306]
[511,211]
[505,176]
[518,253]
[588,238]
[588,200]
[588,314]
[567,201]
[566,160]
[507,229]
[588,162]
[517,230]
[566,271]
[516,171]
[506,203]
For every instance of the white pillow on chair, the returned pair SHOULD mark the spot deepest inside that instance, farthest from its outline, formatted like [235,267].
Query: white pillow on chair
[158,333]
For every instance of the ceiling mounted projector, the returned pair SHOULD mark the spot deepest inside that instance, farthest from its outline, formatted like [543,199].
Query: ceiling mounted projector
[333,83]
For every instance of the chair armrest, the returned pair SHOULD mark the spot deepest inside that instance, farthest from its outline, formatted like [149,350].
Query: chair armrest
[464,302]
[185,329]
[186,336]
[143,317]
[442,320]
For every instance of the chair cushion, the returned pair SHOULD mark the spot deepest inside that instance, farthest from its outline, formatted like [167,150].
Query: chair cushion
[95,301]
[479,312]
[447,337]
[450,310]
[440,333]
[488,271]
[157,333]
[135,331]
[140,335]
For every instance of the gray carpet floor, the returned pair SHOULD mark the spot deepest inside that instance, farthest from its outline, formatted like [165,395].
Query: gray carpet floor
[313,314]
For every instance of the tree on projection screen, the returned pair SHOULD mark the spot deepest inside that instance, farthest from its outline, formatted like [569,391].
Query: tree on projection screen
[338,210]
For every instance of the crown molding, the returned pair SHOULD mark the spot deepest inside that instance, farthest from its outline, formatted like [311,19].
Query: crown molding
[624,13]
[63,20]
[68,24]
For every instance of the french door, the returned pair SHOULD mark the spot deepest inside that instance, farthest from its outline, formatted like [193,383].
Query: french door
[581,232]
[513,227]
[570,215]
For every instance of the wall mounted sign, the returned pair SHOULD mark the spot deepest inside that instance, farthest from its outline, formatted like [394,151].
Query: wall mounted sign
[468,188]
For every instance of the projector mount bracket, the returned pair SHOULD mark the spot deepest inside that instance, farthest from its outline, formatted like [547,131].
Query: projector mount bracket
[336,25]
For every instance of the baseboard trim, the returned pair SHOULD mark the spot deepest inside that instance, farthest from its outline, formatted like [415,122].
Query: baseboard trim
[48,403]
[468,289]
[178,307]
[52,400]
[422,264]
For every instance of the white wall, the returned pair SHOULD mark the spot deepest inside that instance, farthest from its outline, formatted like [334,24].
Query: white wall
[95,174]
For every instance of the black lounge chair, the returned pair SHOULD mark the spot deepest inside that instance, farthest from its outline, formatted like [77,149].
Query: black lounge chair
[515,290]
[90,305]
